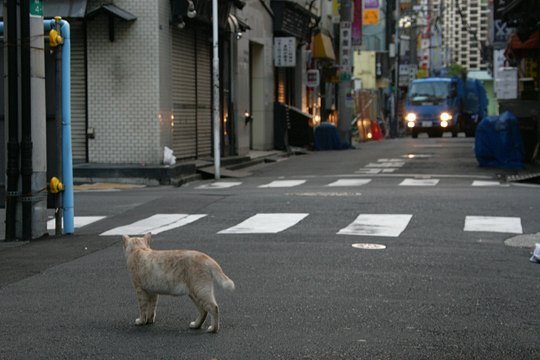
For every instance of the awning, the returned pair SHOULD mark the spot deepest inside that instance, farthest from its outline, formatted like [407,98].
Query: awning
[322,47]
[65,8]
[112,10]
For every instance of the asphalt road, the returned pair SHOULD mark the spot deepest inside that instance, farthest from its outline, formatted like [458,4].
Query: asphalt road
[445,286]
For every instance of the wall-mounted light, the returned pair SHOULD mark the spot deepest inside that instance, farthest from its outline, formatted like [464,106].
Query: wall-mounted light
[191,12]
[247,118]
[239,35]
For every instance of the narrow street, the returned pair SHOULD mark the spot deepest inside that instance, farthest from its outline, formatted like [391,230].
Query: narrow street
[399,249]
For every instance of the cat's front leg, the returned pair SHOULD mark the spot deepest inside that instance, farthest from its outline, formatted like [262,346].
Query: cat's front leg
[145,301]
[151,309]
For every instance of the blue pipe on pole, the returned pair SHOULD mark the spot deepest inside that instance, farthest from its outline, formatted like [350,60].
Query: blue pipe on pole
[67,159]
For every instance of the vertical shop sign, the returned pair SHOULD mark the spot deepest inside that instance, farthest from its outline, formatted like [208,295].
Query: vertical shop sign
[345,51]
[356,36]
[285,51]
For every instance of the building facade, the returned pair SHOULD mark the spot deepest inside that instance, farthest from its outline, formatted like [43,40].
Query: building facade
[463,29]
[141,76]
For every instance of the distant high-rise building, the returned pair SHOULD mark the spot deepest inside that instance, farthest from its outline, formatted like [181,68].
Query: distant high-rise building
[463,25]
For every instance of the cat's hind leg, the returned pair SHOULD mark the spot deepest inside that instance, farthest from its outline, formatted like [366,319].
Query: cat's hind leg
[209,304]
[144,300]
[201,317]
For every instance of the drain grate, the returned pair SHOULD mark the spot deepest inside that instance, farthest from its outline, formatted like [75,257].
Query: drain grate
[533,178]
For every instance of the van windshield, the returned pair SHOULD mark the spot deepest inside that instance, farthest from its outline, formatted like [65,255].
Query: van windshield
[429,91]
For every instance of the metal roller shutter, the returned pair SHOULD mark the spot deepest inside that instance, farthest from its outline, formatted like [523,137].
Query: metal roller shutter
[184,94]
[204,94]
[78,92]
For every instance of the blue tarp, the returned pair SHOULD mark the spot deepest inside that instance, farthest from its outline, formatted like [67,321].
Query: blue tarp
[498,142]
[327,138]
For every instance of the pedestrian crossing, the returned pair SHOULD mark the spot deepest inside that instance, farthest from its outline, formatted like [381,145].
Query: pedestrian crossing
[419,181]
[382,225]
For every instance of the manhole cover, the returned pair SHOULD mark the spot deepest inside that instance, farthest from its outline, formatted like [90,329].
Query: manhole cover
[365,246]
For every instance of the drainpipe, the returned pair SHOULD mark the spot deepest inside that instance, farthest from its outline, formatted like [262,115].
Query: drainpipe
[67,158]
[26,124]
[12,168]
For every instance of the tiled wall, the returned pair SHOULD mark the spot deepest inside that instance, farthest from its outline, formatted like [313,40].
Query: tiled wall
[123,86]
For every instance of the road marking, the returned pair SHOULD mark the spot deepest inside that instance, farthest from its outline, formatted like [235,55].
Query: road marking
[390,160]
[368,171]
[377,225]
[389,164]
[493,224]
[417,156]
[487,183]
[265,223]
[419,182]
[219,185]
[283,183]
[349,182]
[319,194]
[78,221]
[365,246]
[154,224]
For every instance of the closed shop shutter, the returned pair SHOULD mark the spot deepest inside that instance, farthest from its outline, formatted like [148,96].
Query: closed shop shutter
[204,94]
[184,94]
[78,92]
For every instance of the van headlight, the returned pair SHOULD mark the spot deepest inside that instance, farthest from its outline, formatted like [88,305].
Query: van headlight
[445,116]
[410,117]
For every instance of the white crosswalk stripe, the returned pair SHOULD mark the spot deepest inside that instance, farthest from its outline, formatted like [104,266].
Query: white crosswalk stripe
[419,182]
[283,183]
[493,224]
[487,183]
[391,225]
[266,223]
[154,224]
[349,182]
[219,185]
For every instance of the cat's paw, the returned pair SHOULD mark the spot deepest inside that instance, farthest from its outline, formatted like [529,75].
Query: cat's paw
[138,321]
[194,325]
[212,329]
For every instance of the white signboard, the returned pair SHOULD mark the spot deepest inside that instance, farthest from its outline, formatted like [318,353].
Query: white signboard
[285,51]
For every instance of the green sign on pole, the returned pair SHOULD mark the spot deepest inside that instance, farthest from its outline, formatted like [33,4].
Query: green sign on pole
[36,8]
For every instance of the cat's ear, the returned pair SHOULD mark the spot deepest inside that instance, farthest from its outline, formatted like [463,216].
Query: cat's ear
[125,240]
[148,238]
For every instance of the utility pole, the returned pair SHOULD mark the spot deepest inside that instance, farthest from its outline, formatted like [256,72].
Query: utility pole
[38,119]
[394,127]
[345,101]
[215,94]
[26,200]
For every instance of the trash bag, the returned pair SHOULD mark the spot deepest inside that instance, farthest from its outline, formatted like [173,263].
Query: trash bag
[498,142]
[326,137]
[535,258]
[168,157]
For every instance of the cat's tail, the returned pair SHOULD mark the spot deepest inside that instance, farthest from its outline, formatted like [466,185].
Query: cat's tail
[220,277]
